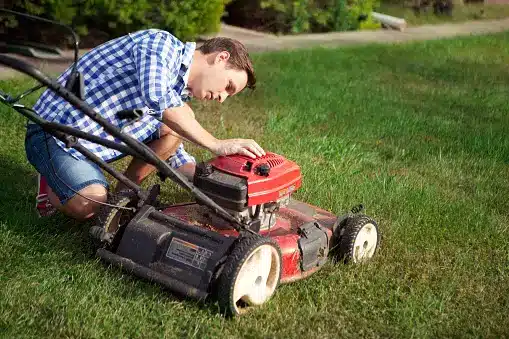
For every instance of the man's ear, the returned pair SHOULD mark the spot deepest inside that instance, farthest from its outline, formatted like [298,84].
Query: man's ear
[223,56]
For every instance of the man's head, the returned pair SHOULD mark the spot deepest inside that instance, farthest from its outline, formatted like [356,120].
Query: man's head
[221,68]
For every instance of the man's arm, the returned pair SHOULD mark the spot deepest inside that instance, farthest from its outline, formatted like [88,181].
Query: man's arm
[182,121]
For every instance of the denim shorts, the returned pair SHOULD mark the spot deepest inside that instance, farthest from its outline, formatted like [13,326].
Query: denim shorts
[65,174]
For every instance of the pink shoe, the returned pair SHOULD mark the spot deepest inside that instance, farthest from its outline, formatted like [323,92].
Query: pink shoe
[43,207]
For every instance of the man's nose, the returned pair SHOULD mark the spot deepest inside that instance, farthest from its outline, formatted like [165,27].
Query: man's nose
[222,96]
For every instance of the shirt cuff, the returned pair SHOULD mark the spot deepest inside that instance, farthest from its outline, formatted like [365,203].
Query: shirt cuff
[169,100]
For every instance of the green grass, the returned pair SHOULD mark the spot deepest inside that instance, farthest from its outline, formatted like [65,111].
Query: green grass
[417,132]
[459,14]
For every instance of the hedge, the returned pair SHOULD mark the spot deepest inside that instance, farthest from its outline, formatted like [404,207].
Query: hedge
[302,16]
[106,19]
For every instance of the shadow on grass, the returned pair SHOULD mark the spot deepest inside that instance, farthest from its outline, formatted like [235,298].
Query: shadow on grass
[59,234]
[49,234]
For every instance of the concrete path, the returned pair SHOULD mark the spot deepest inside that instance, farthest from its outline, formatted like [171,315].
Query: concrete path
[268,42]
[260,42]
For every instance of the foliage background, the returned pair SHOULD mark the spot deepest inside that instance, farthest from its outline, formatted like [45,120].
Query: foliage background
[302,16]
[100,20]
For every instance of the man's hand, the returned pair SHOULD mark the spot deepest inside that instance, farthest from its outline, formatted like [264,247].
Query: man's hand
[245,147]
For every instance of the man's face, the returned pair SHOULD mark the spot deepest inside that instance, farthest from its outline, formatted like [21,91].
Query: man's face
[216,82]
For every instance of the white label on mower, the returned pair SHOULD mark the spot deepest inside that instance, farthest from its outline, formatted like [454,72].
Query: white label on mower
[188,253]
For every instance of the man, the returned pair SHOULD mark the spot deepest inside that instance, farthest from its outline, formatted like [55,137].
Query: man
[149,70]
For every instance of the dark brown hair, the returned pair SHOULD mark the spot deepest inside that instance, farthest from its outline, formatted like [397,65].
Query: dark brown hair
[239,57]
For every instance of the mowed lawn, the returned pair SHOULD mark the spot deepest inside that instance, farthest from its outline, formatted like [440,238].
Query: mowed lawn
[418,133]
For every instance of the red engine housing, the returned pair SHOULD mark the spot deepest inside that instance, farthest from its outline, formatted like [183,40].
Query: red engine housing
[283,178]
[269,178]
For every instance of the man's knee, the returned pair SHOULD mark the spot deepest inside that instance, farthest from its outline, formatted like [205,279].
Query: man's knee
[85,204]
[188,170]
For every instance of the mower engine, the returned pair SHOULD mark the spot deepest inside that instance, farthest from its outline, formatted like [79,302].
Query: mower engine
[252,190]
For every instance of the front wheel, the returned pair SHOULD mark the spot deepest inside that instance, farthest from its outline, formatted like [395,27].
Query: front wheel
[358,239]
[250,275]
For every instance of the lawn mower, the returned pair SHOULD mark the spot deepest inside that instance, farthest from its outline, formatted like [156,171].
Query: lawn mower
[241,236]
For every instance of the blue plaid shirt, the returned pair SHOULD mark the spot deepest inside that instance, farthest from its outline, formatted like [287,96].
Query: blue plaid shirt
[147,70]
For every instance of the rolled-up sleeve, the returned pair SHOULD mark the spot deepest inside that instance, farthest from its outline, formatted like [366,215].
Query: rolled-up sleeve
[155,57]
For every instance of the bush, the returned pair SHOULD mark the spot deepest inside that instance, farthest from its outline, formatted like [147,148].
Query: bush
[107,19]
[301,16]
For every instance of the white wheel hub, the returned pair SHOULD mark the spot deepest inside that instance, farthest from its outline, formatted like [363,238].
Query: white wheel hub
[258,277]
[365,243]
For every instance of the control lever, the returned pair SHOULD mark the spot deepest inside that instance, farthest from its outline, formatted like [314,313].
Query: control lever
[76,85]
[130,114]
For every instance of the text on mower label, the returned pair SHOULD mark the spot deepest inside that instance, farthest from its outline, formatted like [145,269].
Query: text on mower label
[188,253]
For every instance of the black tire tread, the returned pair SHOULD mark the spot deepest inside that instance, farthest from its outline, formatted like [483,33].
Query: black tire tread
[349,234]
[232,266]
[106,213]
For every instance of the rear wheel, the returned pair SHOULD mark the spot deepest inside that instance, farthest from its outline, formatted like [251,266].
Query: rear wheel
[112,218]
[250,275]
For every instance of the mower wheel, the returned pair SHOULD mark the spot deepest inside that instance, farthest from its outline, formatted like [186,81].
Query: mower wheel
[112,218]
[358,239]
[250,275]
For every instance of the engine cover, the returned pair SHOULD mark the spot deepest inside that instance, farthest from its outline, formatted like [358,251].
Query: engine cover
[237,181]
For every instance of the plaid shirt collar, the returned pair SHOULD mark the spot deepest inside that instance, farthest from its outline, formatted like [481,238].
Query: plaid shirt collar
[187,59]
